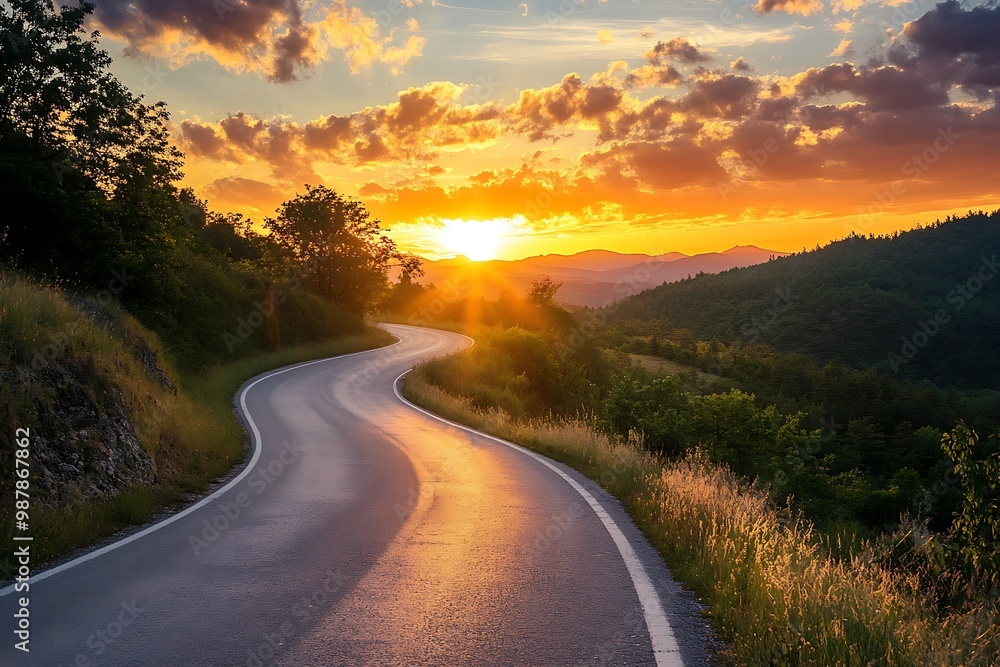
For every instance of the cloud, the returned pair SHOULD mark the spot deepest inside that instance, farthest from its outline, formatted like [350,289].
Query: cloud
[843,129]
[244,191]
[205,141]
[844,49]
[728,96]
[803,7]
[605,36]
[960,44]
[662,166]
[359,35]
[539,112]
[741,65]
[274,38]
[885,88]
[677,49]
[419,125]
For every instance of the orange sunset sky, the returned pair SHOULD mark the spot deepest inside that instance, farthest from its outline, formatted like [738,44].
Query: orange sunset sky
[631,125]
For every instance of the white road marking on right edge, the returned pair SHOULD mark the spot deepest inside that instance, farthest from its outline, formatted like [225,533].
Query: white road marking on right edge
[665,649]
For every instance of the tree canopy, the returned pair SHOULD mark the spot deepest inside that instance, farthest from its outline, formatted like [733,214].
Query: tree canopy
[344,251]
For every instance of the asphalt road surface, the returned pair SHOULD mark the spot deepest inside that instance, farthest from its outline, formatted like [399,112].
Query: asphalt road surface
[366,532]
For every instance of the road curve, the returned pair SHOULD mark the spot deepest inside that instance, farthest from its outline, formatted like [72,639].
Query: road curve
[366,532]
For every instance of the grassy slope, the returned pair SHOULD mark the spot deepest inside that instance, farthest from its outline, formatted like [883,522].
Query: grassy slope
[774,593]
[192,434]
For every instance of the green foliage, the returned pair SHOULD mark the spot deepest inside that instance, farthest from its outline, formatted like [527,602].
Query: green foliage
[343,251]
[521,372]
[872,427]
[975,535]
[56,90]
[92,167]
[659,410]
[869,302]
[730,427]
[432,306]
[541,292]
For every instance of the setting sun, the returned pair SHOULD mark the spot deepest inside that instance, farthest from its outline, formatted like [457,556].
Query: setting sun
[479,240]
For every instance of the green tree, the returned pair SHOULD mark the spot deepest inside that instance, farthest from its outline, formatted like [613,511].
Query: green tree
[56,91]
[736,431]
[89,159]
[542,292]
[660,410]
[975,534]
[340,248]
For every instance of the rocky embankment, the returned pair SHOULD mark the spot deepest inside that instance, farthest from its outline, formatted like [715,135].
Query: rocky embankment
[88,383]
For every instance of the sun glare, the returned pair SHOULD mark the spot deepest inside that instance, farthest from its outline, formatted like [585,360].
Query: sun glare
[479,240]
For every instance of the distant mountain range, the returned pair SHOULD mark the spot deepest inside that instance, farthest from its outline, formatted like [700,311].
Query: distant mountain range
[590,278]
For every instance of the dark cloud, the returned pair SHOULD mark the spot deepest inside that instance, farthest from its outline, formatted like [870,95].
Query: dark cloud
[885,88]
[677,49]
[803,7]
[728,96]
[268,36]
[741,65]
[653,75]
[237,28]
[659,165]
[205,141]
[964,43]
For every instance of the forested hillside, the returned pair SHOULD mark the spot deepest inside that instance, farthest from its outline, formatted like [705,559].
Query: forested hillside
[923,303]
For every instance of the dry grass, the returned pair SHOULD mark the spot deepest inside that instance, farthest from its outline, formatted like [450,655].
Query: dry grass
[664,367]
[775,594]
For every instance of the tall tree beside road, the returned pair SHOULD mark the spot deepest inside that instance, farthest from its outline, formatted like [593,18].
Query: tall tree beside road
[343,250]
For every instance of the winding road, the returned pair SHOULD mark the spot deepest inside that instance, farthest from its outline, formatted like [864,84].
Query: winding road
[364,531]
